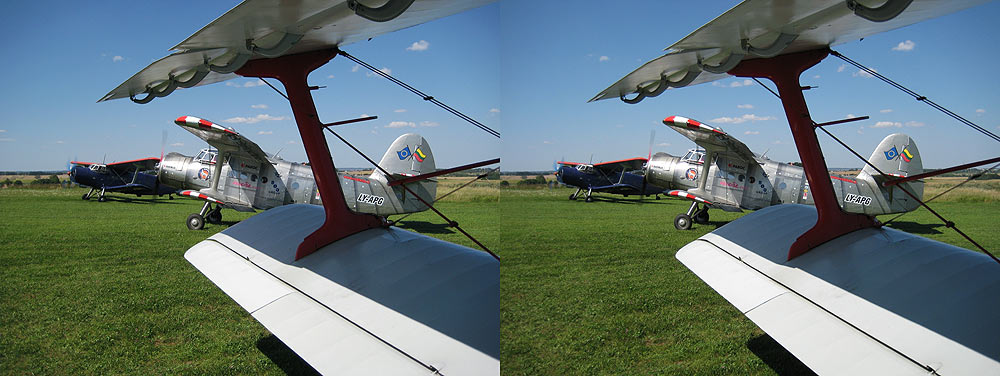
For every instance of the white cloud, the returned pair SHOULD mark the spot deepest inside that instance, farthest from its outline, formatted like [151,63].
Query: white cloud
[6,140]
[117,59]
[905,46]
[603,58]
[60,142]
[265,132]
[330,76]
[861,130]
[841,68]
[398,110]
[494,110]
[816,76]
[383,70]
[751,132]
[3,131]
[422,45]
[177,144]
[663,144]
[915,124]
[246,84]
[429,124]
[885,111]
[887,124]
[355,67]
[255,119]
[400,124]
[292,142]
[741,119]
[736,83]
[861,73]
[259,106]
[778,142]
[745,106]
[980,111]
[547,142]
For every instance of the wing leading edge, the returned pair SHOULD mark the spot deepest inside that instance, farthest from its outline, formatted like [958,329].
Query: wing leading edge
[875,301]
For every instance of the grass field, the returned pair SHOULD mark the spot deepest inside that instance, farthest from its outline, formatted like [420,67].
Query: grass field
[594,288]
[586,288]
[103,288]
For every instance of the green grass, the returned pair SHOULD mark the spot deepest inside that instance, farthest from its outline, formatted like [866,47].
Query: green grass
[594,288]
[103,288]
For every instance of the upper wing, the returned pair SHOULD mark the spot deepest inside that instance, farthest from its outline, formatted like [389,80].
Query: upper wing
[860,303]
[257,29]
[765,28]
[145,164]
[709,137]
[624,164]
[221,138]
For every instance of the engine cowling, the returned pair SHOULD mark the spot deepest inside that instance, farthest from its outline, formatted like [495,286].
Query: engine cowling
[660,170]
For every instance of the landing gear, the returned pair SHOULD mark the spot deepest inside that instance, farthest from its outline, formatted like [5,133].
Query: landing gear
[86,196]
[682,222]
[693,215]
[196,221]
[575,194]
[589,192]
[101,197]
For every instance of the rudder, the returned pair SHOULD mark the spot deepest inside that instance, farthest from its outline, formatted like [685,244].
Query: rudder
[409,155]
[897,155]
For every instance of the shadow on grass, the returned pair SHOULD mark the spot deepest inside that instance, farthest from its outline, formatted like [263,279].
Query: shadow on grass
[623,200]
[137,200]
[284,357]
[780,360]
[425,227]
[916,228]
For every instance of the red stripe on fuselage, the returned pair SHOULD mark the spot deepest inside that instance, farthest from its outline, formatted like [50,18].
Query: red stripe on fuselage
[349,177]
[843,179]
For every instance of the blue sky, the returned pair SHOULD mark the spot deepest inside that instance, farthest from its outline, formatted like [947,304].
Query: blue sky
[556,57]
[533,64]
[65,59]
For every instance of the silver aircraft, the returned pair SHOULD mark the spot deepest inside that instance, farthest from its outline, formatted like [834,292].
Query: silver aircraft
[248,179]
[737,179]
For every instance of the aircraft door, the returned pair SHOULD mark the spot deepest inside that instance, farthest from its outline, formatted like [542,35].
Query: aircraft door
[730,179]
[270,189]
[240,180]
[758,191]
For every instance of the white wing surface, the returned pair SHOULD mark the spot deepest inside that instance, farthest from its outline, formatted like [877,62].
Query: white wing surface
[380,302]
[257,29]
[765,28]
[874,301]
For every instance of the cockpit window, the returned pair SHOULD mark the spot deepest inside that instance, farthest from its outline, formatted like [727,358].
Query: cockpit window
[694,156]
[207,156]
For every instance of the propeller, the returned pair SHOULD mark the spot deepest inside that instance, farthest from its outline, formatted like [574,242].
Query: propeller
[159,165]
[649,157]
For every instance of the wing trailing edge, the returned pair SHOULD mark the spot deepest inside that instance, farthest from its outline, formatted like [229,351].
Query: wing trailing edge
[874,301]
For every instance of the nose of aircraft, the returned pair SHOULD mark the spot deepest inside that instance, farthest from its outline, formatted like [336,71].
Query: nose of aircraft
[660,170]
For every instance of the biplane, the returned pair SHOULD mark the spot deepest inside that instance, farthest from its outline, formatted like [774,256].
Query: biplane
[726,175]
[345,291]
[136,177]
[615,177]
[840,292]
[237,174]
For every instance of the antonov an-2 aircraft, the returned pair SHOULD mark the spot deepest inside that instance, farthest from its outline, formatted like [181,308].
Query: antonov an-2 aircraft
[344,290]
[727,176]
[240,176]
[840,292]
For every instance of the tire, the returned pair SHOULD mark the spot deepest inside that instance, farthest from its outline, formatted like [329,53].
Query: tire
[572,196]
[589,199]
[701,217]
[682,222]
[195,222]
[101,199]
[214,217]
[86,196]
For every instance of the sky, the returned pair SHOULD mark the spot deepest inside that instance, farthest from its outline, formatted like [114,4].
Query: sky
[532,64]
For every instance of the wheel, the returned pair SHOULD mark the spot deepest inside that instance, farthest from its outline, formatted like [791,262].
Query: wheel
[701,217]
[682,222]
[572,196]
[195,222]
[86,196]
[589,199]
[170,197]
[101,199]
[214,216]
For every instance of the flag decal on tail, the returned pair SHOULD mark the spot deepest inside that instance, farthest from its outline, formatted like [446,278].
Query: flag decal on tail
[906,155]
[403,154]
[418,155]
[891,154]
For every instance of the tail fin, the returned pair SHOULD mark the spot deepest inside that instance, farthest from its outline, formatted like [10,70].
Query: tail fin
[897,156]
[409,155]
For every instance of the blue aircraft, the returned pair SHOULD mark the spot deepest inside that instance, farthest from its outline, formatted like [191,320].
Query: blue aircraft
[614,177]
[136,177]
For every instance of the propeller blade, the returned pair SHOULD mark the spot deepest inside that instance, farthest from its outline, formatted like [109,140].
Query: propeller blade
[652,136]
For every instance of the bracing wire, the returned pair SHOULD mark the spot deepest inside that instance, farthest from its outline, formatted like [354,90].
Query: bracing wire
[487,173]
[421,94]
